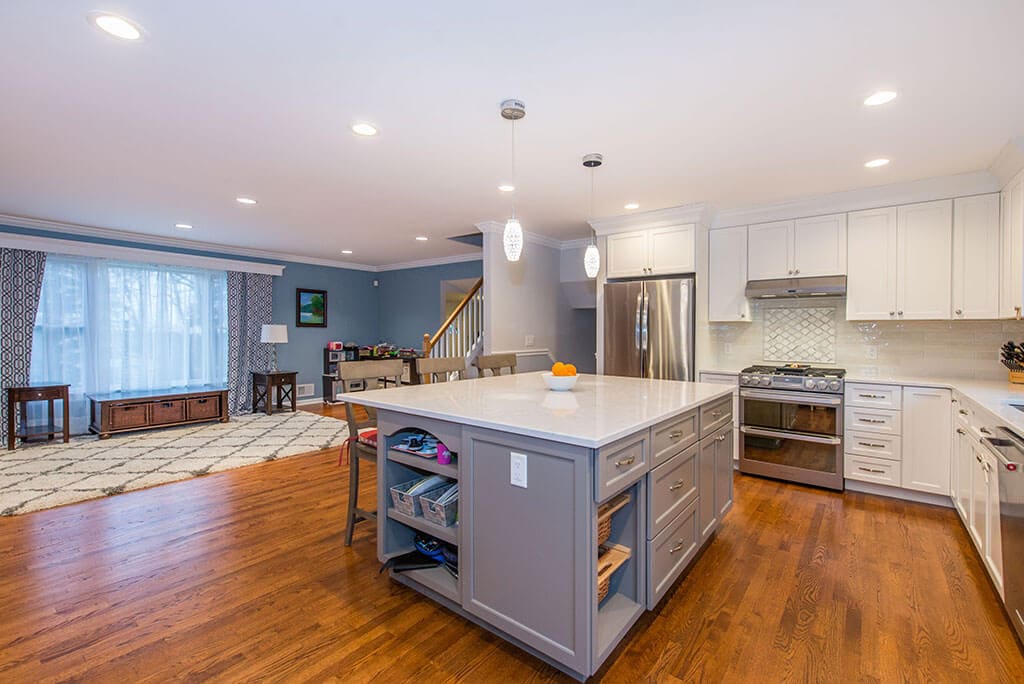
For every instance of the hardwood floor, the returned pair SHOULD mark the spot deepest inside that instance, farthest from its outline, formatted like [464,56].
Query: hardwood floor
[242,575]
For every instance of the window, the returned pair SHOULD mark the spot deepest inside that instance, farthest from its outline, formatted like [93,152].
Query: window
[107,326]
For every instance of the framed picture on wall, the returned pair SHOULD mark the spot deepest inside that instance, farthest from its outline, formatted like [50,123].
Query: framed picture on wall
[310,308]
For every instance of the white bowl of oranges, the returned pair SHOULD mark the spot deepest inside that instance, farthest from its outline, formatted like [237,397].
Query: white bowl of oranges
[562,377]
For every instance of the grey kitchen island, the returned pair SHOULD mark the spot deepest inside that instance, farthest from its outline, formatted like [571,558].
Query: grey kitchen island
[625,480]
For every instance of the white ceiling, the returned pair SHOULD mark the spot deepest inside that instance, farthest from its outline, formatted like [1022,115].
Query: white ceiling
[732,103]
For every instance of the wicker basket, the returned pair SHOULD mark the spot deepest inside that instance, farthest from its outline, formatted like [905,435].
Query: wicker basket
[604,516]
[1017,377]
[609,559]
[439,514]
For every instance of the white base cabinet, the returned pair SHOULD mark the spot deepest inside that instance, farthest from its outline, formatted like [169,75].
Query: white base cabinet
[926,445]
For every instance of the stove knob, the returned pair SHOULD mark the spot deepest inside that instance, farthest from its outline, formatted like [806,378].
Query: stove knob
[834,385]
[809,383]
[766,380]
[744,379]
[822,385]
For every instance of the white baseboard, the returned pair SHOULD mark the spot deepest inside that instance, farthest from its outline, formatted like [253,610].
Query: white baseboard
[898,493]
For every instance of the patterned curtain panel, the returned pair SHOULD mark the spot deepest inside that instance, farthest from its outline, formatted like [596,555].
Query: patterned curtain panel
[21,279]
[250,306]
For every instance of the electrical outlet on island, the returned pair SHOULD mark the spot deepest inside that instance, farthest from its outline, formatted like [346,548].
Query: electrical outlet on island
[530,341]
[518,469]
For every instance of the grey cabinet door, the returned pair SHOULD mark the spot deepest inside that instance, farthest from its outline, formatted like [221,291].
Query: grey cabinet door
[706,486]
[723,472]
[526,559]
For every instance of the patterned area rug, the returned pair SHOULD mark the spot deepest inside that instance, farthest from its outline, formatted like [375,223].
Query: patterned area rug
[39,476]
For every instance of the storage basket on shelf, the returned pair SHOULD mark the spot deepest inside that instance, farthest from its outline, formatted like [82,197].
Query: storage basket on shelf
[406,495]
[604,516]
[609,559]
[441,506]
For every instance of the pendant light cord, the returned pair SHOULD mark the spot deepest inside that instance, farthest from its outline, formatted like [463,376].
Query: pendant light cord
[515,182]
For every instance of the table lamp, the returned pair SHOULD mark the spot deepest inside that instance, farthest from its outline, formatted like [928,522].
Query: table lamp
[274,334]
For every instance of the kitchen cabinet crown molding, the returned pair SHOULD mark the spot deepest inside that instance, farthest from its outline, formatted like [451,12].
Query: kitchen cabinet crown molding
[1009,163]
[497,227]
[656,218]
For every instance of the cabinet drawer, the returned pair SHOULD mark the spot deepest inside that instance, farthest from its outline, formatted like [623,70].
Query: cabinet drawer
[873,420]
[874,396]
[671,488]
[670,552]
[128,415]
[167,412]
[873,444]
[674,435]
[203,407]
[868,469]
[715,416]
[620,465]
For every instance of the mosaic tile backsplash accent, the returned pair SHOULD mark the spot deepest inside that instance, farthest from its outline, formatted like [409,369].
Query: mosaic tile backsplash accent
[800,334]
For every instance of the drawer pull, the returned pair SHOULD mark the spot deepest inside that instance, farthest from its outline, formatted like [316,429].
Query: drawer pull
[961,431]
[625,462]
[675,434]
[677,547]
[716,414]
[677,485]
[985,431]
[720,438]
[875,471]
[872,445]
[167,404]
[962,412]
[872,396]
[202,401]
[874,421]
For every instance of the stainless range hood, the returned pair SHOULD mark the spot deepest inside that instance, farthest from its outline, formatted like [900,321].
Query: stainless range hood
[791,288]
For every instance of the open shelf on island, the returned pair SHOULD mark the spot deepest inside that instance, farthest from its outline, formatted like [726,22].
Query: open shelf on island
[615,615]
[448,534]
[436,579]
[429,465]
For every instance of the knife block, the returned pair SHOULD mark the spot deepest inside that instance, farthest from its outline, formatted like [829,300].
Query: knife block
[1017,377]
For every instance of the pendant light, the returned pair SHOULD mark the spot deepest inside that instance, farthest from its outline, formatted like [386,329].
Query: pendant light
[512,236]
[592,257]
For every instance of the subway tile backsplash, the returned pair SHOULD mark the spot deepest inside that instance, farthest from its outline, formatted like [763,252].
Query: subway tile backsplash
[966,349]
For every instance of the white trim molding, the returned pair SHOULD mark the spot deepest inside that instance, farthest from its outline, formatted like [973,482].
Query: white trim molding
[152,256]
[1009,162]
[439,261]
[698,213]
[498,227]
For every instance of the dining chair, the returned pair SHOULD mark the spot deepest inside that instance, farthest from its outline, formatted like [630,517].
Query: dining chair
[362,431]
[495,363]
[440,369]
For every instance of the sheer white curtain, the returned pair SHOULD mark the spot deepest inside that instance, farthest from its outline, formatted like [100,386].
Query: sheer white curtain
[106,326]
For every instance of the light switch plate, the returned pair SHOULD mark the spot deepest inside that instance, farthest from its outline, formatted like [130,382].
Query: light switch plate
[517,467]
[530,341]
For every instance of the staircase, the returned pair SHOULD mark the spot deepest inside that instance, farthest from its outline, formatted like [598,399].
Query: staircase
[462,333]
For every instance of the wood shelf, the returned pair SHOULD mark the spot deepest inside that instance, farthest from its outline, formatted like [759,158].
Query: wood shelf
[448,534]
[429,465]
[436,579]
[615,616]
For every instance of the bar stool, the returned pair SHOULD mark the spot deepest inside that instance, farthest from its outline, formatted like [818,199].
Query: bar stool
[495,363]
[362,439]
[440,369]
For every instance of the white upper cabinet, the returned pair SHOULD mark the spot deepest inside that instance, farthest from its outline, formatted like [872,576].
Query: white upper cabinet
[769,248]
[819,246]
[727,275]
[925,255]
[1011,290]
[927,423]
[657,251]
[976,235]
[871,265]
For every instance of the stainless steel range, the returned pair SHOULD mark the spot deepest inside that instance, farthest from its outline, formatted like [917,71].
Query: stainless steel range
[791,423]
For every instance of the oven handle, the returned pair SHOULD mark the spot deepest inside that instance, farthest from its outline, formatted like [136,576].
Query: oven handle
[786,397]
[798,436]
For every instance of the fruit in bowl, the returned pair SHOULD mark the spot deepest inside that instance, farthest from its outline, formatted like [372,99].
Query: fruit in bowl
[562,377]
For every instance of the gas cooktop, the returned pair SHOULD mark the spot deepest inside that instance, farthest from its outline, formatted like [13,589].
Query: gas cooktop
[794,377]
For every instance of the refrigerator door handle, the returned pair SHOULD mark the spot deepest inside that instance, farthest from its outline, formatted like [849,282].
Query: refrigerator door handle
[643,325]
[639,297]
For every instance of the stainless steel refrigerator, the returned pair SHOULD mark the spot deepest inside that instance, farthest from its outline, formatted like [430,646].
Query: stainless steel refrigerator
[648,328]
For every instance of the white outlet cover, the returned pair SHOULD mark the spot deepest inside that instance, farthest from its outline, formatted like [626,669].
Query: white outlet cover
[530,340]
[517,468]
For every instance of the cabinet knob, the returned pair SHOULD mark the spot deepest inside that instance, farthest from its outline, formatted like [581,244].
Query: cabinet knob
[742,315]
[790,272]
[900,313]
[796,271]
[892,313]
[959,312]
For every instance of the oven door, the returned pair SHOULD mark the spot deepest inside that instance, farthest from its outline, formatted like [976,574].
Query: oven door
[794,436]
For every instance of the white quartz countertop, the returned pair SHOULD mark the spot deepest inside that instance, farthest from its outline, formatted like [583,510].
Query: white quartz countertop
[599,410]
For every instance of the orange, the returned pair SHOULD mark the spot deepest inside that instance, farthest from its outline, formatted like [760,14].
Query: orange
[570,369]
[558,369]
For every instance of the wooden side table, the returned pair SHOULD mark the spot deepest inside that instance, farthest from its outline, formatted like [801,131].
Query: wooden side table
[263,384]
[18,397]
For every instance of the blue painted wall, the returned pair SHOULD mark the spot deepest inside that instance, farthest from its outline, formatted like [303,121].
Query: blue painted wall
[410,300]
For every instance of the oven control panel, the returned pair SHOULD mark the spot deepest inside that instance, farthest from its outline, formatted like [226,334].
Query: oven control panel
[806,383]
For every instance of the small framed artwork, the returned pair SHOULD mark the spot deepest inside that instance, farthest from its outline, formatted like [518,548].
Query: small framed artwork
[310,308]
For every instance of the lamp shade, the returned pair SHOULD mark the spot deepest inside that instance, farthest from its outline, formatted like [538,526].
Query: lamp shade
[512,239]
[274,334]
[592,261]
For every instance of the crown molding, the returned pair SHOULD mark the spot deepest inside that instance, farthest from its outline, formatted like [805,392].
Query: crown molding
[497,227]
[1009,162]
[578,243]
[925,190]
[438,261]
[655,218]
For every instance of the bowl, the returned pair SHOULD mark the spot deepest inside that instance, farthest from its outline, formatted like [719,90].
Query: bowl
[559,383]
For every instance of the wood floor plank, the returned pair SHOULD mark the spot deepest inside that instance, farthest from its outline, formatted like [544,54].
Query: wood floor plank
[242,575]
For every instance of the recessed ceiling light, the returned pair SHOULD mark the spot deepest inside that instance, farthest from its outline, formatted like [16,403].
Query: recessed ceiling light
[631,205]
[880,98]
[346,251]
[183,226]
[246,200]
[364,128]
[875,163]
[506,187]
[422,238]
[119,27]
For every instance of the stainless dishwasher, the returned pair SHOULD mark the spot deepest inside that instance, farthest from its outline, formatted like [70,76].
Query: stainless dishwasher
[1009,447]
